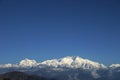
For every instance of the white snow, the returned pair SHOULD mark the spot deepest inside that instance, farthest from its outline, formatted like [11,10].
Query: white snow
[114,65]
[27,63]
[68,62]
[73,62]
[6,65]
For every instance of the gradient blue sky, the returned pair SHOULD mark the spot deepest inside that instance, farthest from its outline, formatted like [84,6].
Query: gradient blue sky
[47,29]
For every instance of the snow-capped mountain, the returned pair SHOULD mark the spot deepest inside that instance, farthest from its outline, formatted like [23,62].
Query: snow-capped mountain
[6,65]
[114,65]
[23,63]
[73,62]
[67,68]
[68,62]
[27,63]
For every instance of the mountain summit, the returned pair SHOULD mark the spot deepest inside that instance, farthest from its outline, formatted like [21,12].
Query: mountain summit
[27,63]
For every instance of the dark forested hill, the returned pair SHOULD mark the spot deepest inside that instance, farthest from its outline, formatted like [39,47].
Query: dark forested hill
[20,76]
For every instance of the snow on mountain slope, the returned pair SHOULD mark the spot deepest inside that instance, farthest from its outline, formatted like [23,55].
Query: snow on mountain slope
[27,63]
[5,65]
[23,63]
[68,62]
[73,62]
[114,65]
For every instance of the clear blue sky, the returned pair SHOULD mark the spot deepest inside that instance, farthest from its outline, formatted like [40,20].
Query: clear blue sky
[46,29]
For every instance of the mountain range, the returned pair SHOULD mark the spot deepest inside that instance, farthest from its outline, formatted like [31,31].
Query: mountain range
[67,68]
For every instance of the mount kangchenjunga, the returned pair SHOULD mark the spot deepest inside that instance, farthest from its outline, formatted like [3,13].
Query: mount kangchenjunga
[66,62]
[67,68]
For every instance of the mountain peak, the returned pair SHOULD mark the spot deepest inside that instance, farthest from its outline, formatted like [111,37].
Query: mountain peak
[115,65]
[6,65]
[27,63]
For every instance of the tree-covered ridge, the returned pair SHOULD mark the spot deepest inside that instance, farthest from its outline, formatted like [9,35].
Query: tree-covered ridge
[20,76]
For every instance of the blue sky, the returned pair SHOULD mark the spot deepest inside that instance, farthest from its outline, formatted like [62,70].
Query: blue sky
[47,29]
